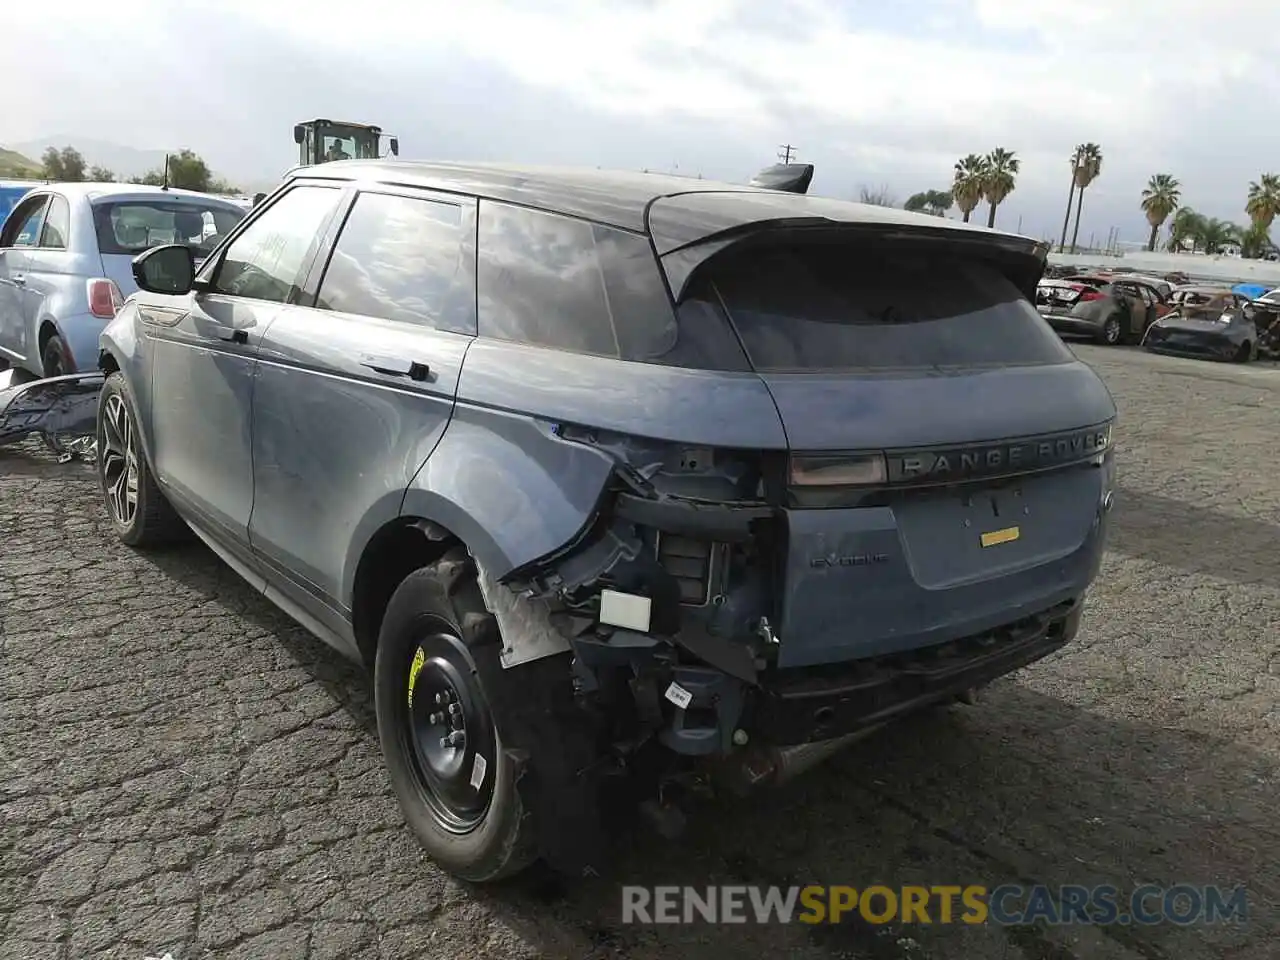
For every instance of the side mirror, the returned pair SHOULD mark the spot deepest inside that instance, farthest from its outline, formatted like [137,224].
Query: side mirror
[395,147]
[299,133]
[170,269]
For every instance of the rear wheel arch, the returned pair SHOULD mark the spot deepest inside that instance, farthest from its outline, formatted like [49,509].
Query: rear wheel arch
[394,552]
[48,330]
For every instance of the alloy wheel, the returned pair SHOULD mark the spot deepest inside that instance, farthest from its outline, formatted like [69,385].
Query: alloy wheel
[1111,331]
[118,460]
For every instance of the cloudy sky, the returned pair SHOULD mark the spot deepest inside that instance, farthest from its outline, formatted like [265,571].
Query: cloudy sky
[874,93]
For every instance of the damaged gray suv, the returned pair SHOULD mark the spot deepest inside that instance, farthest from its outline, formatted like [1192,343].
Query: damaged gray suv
[618,483]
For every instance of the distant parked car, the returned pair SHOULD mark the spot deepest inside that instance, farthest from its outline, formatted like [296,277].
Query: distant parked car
[1265,310]
[1108,308]
[1205,301]
[66,252]
[1209,323]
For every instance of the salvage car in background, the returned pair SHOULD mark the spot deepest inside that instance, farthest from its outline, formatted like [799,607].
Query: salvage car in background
[1207,322]
[1264,311]
[1111,309]
[601,475]
[66,252]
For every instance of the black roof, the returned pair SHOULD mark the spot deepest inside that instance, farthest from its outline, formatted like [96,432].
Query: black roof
[674,210]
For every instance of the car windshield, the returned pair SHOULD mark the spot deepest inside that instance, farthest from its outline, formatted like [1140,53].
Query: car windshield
[1271,297]
[132,226]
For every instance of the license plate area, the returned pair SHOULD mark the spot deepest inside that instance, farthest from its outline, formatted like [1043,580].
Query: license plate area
[957,536]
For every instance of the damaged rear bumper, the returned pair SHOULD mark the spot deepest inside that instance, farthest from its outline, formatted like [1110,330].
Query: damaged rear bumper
[807,705]
[61,410]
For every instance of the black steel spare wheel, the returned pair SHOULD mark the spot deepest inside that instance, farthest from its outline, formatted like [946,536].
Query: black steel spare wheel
[455,782]
[451,730]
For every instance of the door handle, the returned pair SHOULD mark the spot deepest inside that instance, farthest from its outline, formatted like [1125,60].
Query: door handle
[235,336]
[397,368]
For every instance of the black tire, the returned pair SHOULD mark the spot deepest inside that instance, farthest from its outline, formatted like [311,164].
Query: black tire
[55,359]
[484,833]
[152,521]
[1244,354]
[1112,331]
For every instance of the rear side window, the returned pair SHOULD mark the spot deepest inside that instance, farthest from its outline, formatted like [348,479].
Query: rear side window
[128,227]
[57,225]
[401,258]
[553,281]
[835,307]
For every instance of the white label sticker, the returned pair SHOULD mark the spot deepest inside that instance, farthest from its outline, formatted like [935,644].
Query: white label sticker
[679,695]
[478,767]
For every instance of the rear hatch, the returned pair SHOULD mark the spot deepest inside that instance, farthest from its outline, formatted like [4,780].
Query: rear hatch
[128,224]
[948,452]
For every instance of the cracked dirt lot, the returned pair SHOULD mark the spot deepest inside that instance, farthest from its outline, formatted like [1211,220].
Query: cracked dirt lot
[185,771]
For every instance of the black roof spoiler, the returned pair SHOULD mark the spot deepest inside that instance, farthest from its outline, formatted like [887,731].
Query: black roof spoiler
[787,177]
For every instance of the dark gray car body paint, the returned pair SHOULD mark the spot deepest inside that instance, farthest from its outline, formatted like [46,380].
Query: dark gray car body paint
[499,476]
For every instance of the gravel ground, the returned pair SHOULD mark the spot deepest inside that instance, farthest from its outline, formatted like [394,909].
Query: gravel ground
[186,771]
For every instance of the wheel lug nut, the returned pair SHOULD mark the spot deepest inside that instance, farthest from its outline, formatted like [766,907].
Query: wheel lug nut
[455,739]
[441,698]
[436,718]
[455,709]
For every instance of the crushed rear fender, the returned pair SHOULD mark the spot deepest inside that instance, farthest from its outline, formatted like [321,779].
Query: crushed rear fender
[508,487]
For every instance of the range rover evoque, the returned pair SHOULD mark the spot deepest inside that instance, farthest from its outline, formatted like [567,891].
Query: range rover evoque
[613,480]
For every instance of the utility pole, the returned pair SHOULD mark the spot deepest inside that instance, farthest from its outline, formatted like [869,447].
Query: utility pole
[787,152]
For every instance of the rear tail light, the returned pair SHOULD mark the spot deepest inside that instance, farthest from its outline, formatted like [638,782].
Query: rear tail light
[839,471]
[104,298]
[1089,295]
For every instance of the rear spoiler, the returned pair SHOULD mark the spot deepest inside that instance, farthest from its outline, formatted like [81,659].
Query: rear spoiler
[1023,258]
[787,177]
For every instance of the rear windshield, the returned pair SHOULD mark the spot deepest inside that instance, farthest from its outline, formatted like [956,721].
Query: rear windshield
[832,308]
[131,226]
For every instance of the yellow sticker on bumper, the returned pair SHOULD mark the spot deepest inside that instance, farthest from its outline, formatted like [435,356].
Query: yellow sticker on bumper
[996,537]
[419,659]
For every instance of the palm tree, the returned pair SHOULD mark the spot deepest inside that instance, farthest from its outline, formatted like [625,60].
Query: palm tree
[1158,201]
[1074,161]
[998,179]
[1088,166]
[967,186]
[1255,242]
[1186,225]
[1263,204]
[1215,234]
